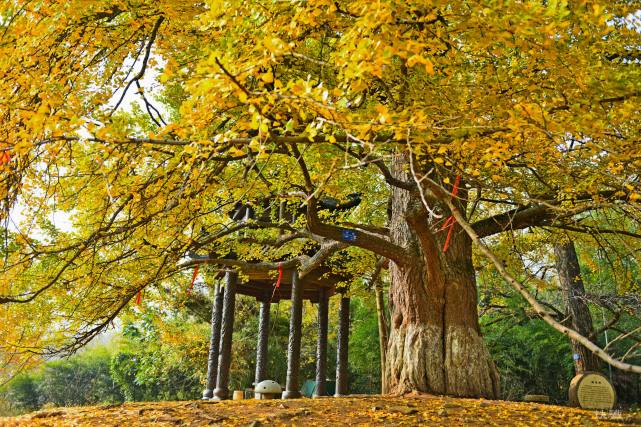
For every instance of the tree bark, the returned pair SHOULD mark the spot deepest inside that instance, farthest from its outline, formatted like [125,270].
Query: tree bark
[567,265]
[435,344]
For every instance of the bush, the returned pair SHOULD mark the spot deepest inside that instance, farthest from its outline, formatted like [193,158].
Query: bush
[20,395]
[83,379]
[79,380]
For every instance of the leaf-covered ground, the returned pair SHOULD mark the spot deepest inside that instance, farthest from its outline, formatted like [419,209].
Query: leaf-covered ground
[370,410]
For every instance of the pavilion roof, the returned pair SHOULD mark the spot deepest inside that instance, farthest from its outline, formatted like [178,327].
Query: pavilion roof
[261,285]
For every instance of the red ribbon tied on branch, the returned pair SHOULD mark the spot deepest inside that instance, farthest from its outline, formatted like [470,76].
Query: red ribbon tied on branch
[193,280]
[280,278]
[450,221]
[5,157]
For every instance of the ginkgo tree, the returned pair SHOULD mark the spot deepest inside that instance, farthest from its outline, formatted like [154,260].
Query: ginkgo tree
[453,121]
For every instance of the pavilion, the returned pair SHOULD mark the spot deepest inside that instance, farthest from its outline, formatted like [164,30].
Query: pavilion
[314,287]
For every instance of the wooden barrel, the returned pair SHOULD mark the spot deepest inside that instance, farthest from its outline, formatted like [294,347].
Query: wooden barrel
[592,390]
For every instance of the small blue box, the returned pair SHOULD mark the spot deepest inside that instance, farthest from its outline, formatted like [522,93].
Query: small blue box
[349,235]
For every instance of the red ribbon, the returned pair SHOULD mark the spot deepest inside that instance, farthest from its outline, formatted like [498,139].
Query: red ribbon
[280,277]
[5,157]
[450,221]
[449,237]
[139,297]
[457,181]
[193,279]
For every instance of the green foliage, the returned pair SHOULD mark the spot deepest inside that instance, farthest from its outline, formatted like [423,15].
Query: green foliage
[83,379]
[20,395]
[278,338]
[163,358]
[151,367]
[162,354]
[80,380]
[245,340]
[167,383]
[531,358]
[364,353]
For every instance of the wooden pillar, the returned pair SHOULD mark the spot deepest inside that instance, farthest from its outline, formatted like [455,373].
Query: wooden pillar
[227,328]
[321,345]
[342,348]
[261,346]
[292,387]
[214,343]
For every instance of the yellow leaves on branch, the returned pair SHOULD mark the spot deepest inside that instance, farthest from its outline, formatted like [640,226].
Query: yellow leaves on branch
[419,59]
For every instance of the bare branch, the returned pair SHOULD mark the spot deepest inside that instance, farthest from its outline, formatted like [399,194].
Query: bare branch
[136,79]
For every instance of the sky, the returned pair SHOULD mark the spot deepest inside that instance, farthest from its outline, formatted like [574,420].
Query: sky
[62,220]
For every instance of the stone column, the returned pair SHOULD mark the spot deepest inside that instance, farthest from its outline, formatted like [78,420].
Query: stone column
[214,343]
[321,345]
[263,336]
[292,386]
[224,360]
[342,348]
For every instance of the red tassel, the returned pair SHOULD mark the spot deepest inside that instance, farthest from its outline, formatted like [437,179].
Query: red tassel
[450,221]
[447,222]
[5,157]
[280,277]
[193,279]
[449,236]
[456,184]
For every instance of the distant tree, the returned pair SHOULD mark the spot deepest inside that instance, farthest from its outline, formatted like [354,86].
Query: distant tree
[576,304]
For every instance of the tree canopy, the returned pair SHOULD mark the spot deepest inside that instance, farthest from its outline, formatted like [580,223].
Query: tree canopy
[531,108]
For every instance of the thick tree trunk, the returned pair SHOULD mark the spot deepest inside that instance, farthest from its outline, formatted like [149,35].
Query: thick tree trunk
[567,265]
[435,344]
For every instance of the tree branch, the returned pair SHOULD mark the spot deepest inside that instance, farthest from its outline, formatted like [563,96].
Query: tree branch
[243,141]
[521,217]
[380,164]
[361,238]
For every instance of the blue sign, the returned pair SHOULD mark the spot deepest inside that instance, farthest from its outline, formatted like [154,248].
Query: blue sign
[349,235]
[576,356]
